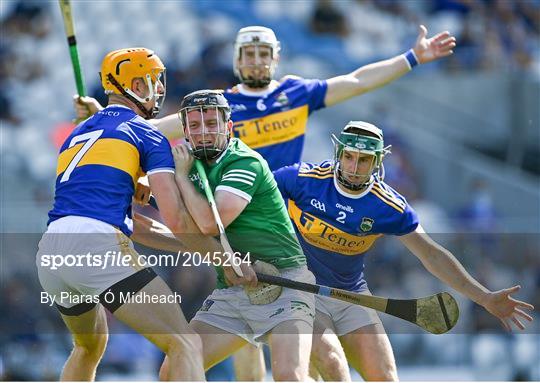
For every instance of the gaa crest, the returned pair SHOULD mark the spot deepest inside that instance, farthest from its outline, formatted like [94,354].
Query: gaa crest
[282,98]
[366,224]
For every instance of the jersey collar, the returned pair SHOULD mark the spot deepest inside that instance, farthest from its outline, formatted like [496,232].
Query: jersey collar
[119,106]
[220,157]
[349,195]
[271,87]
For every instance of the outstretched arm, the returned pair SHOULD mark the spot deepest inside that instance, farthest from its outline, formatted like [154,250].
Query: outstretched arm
[442,264]
[375,75]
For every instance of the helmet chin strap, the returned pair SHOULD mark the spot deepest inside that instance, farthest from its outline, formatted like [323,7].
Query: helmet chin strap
[203,153]
[148,113]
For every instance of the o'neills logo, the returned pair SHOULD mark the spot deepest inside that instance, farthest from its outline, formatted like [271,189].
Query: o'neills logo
[346,208]
[272,129]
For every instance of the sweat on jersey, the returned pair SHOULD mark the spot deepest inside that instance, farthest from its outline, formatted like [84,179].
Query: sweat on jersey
[100,163]
[263,228]
[335,228]
[274,123]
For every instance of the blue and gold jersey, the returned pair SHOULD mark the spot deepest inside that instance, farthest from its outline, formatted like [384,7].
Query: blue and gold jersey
[335,228]
[100,162]
[274,123]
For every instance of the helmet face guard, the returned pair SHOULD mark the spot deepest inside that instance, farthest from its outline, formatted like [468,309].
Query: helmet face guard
[256,64]
[206,116]
[354,147]
[119,69]
[255,38]
[155,92]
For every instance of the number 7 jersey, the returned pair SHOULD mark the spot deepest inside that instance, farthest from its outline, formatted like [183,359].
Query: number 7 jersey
[335,228]
[100,162]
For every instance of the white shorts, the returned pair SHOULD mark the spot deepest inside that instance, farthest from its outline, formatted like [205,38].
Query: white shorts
[229,309]
[346,317]
[73,264]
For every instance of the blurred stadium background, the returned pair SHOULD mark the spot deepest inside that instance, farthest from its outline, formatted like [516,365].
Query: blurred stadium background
[466,152]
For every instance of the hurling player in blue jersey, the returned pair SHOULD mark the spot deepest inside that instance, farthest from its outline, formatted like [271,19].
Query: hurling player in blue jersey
[271,116]
[98,166]
[339,209]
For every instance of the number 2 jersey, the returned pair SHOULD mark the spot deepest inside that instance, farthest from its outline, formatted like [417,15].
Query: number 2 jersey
[100,162]
[335,228]
[273,123]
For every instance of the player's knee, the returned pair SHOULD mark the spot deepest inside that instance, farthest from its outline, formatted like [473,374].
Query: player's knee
[386,373]
[331,365]
[289,374]
[254,371]
[329,359]
[384,377]
[184,344]
[92,348]
[250,376]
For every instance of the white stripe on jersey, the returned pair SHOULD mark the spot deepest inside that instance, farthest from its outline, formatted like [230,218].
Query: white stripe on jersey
[385,191]
[244,176]
[230,178]
[237,192]
[160,170]
[253,174]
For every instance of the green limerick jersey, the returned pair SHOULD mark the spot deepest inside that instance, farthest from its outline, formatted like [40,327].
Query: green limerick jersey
[263,228]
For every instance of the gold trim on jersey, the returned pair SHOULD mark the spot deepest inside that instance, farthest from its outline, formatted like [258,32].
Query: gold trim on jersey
[318,176]
[388,198]
[388,194]
[325,236]
[111,152]
[320,170]
[317,172]
[274,128]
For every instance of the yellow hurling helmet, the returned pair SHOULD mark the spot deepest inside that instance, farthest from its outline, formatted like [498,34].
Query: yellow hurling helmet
[121,66]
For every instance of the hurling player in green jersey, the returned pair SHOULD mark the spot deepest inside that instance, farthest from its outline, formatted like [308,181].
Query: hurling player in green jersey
[256,221]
